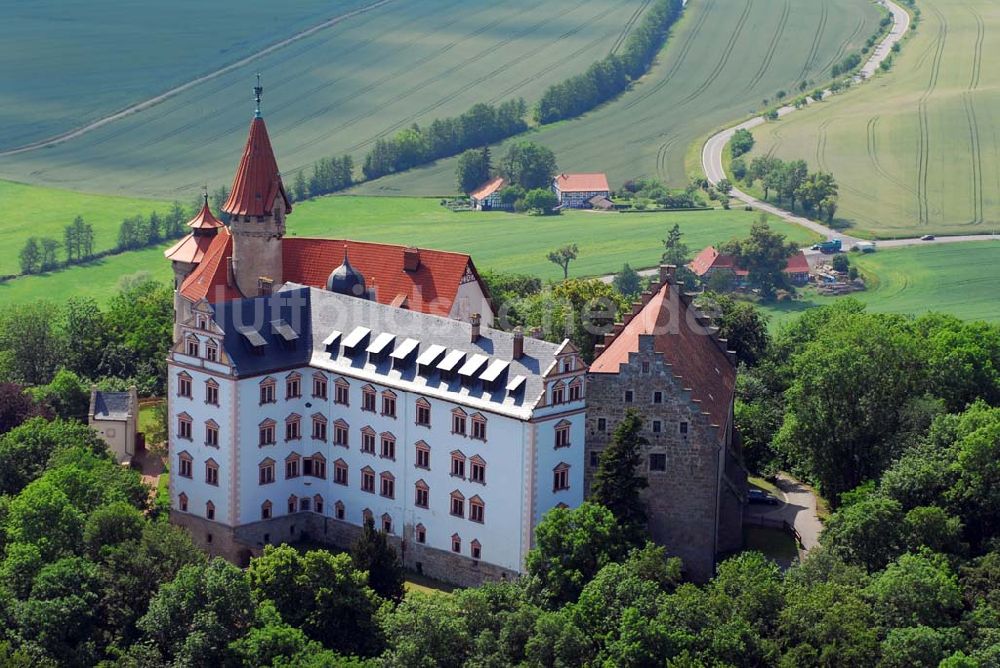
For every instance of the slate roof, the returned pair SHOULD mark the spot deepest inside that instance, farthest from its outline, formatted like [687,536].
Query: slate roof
[697,357]
[111,406]
[249,321]
[257,183]
[585,182]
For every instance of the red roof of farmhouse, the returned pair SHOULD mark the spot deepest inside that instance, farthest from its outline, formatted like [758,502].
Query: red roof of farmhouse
[488,188]
[418,279]
[797,264]
[257,183]
[709,258]
[579,183]
[696,357]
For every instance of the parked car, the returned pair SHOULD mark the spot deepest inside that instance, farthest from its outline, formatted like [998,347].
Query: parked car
[927,237]
[760,496]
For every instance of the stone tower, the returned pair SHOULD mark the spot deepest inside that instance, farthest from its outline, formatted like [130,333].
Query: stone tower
[257,207]
[187,253]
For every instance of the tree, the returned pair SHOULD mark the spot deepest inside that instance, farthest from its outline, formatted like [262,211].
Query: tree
[443,639]
[840,262]
[724,187]
[43,516]
[300,190]
[741,142]
[563,256]
[49,259]
[628,282]
[473,169]
[571,546]
[581,310]
[616,485]
[741,324]
[83,327]
[31,257]
[869,533]
[26,449]
[764,254]
[541,200]
[529,165]
[66,394]
[917,590]
[30,345]
[17,406]
[115,523]
[372,554]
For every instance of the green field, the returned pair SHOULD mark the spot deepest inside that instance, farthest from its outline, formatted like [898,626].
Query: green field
[509,242]
[723,58]
[916,150]
[331,93]
[44,212]
[958,278]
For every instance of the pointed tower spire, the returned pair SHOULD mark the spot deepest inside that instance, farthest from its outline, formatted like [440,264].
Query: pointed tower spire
[257,90]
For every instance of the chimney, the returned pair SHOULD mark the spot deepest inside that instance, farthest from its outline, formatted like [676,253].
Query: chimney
[667,273]
[474,320]
[411,259]
[518,343]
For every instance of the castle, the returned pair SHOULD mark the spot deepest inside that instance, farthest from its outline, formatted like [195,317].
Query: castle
[316,384]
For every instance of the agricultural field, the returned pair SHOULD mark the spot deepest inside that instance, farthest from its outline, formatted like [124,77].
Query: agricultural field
[32,211]
[958,278]
[723,58]
[502,241]
[330,93]
[916,150]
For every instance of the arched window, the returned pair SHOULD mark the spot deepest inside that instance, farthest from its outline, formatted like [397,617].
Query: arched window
[476,550]
[293,504]
[210,511]
[456,543]
[182,502]
[318,504]
[387,523]
[420,533]
[338,510]
[367,516]
[305,504]
[185,465]
[265,510]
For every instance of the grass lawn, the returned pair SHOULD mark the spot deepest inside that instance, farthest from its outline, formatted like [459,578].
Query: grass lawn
[958,278]
[509,242]
[916,150]
[422,583]
[31,211]
[765,485]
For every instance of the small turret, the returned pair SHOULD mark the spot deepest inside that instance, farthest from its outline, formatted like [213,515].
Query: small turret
[346,280]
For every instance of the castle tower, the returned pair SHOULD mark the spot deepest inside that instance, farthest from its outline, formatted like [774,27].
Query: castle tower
[257,207]
[187,253]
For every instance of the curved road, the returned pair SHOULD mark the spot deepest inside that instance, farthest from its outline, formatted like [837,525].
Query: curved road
[711,155]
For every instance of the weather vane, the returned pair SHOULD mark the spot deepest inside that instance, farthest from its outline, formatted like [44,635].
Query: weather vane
[257,90]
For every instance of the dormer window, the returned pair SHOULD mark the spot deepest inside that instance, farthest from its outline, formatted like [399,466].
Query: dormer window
[193,347]
[201,322]
[575,390]
[558,393]
[212,351]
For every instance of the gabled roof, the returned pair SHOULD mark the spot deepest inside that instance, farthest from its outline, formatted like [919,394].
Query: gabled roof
[208,280]
[797,264]
[709,258]
[488,188]
[697,358]
[257,183]
[112,406]
[584,182]
[190,249]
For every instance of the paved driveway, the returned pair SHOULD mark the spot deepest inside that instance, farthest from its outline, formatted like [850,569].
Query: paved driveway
[798,509]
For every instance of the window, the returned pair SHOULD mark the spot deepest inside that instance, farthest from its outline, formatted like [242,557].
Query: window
[562,434]
[212,434]
[423,455]
[340,472]
[212,351]
[421,533]
[267,391]
[423,413]
[456,543]
[293,386]
[479,427]
[388,404]
[458,464]
[645,367]
[657,462]
[368,398]
[422,497]
[388,446]
[560,477]
[602,424]
[575,390]
[210,511]
[387,485]
[340,433]
[338,510]
[182,502]
[314,466]
[458,421]
[293,427]
[477,472]
[683,428]
[192,346]
[184,426]
[595,458]
[629,396]
[319,387]
[387,523]
[367,516]
[657,426]
[202,324]
[183,385]
[477,509]
[211,473]
[368,440]
[318,504]
[266,433]
[292,466]
[342,392]
[476,549]
[657,397]
[305,504]
[319,428]
[457,504]
[185,467]
[558,393]
[293,504]
[367,480]
[265,510]
[567,365]
[265,472]
[211,392]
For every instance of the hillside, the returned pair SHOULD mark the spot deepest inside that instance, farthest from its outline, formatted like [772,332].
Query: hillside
[916,150]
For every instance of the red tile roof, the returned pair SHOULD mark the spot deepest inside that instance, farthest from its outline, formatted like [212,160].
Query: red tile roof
[593,182]
[191,249]
[797,264]
[488,188]
[209,280]
[709,258]
[257,183]
[697,358]
[205,220]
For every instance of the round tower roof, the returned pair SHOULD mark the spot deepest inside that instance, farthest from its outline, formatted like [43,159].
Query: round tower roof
[346,280]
